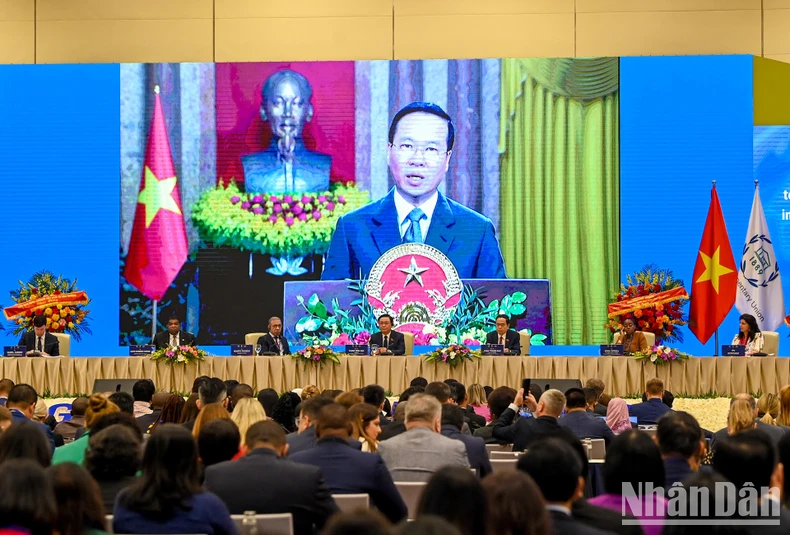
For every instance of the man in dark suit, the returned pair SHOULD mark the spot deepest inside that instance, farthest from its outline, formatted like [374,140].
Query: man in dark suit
[654,408]
[22,403]
[452,422]
[398,424]
[774,432]
[421,138]
[289,487]
[557,470]
[347,470]
[274,341]
[39,339]
[389,341]
[525,430]
[682,445]
[583,424]
[505,336]
[173,336]
[461,398]
[306,438]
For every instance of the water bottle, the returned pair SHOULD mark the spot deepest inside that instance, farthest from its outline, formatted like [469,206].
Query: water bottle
[249,525]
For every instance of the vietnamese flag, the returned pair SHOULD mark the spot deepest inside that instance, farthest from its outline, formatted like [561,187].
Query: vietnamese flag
[715,276]
[158,247]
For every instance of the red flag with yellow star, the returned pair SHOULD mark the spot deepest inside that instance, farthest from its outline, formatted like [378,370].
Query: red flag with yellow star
[158,247]
[715,276]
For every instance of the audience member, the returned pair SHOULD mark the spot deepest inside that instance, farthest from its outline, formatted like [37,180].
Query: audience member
[98,406]
[310,391]
[21,402]
[209,413]
[349,399]
[441,391]
[599,387]
[113,459]
[190,410]
[707,486]
[768,408]
[515,505]
[5,388]
[331,393]
[209,392]
[268,399]
[455,494]
[284,409]
[783,451]
[78,503]
[590,398]
[740,418]
[582,423]
[198,382]
[421,382]
[617,416]
[219,440]
[773,431]
[172,412]
[374,395]
[498,400]
[241,391]
[461,398]
[348,471]
[633,458]
[143,393]
[452,422]
[124,401]
[27,503]
[167,498]
[398,424]
[290,487]
[5,419]
[524,430]
[246,411]
[419,452]
[478,401]
[427,525]
[158,401]
[305,437]
[360,522]
[230,385]
[68,428]
[556,469]
[682,445]
[24,440]
[784,407]
[365,426]
[650,411]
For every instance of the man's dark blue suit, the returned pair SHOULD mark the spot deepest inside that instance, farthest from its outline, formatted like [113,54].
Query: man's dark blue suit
[648,412]
[586,425]
[475,449]
[17,416]
[462,234]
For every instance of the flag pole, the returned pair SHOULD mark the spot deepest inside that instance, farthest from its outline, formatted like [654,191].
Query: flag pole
[716,341]
[153,321]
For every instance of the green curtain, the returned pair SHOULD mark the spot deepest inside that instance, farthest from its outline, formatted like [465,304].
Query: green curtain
[560,191]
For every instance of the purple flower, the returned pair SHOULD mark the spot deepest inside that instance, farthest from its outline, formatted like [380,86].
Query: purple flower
[362,338]
[257,210]
[235,199]
[277,208]
[273,218]
[245,205]
[302,217]
[170,354]
[289,221]
[288,199]
[273,198]
[341,340]
[316,215]
[330,206]
[317,358]
[297,209]
[470,342]
[341,199]
[322,198]
[306,199]
[257,199]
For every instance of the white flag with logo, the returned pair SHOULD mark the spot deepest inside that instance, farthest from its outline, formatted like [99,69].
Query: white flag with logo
[759,282]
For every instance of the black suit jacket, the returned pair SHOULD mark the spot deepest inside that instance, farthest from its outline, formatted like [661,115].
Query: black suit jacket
[394,429]
[162,339]
[51,344]
[264,483]
[268,345]
[603,519]
[562,524]
[307,440]
[585,425]
[512,341]
[474,420]
[397,342]
[349,471]
[475,450]
[524,430]
[775,432]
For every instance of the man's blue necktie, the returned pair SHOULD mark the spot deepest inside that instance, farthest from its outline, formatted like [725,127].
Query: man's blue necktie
[414,232]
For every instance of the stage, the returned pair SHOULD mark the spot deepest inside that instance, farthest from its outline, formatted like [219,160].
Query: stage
[723,376]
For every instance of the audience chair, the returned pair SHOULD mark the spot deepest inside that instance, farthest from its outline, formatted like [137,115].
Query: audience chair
[108,521]
[498,447]
[348,503]
[64,341]
[251,339]
[597,448]
[504,465]
[504,455]
[411,491]
[277,524]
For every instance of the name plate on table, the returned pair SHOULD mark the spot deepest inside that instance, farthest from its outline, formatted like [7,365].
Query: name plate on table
[492,350]
[611,350]
[14,351]
[357,350]
[141,351]
[241,350]
[733,351]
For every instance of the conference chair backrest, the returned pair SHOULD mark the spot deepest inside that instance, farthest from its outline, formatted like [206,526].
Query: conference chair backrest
[348,503]
[498,447]
[250,339]
[408,341]
[276,524]
[771,345]
[64,341]
[504,454]
[597,448]
[410,491]
[504,465]
[525,343]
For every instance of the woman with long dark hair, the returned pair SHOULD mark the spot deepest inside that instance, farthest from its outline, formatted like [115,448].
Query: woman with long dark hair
[455,494]
[77,499]
[749,335]
[26,499]
[171,412]
[284,410]
[24,440]
[168,498]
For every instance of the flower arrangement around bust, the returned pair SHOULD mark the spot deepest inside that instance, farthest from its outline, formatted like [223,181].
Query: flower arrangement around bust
[660,355]
[179,355]
[316,354]
[453,355]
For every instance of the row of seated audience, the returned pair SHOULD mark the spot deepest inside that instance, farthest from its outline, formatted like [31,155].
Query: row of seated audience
[161,464]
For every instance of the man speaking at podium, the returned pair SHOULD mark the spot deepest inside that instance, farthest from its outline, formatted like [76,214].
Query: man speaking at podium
[173,336]
[40,340]
[421,138]
[505,336]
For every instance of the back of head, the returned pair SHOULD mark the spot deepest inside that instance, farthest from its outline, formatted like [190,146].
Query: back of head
[268,399]
[230,384]
[26,498]
[77,498]
[113,453]
[360,522]
[198,382]
[457,391]
[241,391]
[283,412]
[373,395]
[313,406]
[159,399]
[333,419]
[310,391]
[633,457]
[655,387]
[410,392]
[79,406]
[679,434]
[441,391]
[124,401]
[597,385]
[590,395]
[143,390]
[553,401]
[98,406]
[748,457]
[452,415]
[209,413]
[42,411]
[575,399]
[784,406]
[246,412]
[427,525]
[740,417]
[265,434]
[117,418]
[455,494]
[25,440]
[190,410]
[400,411]
[499,399]
[212,391]
[515,504]
[419,381]
[423,408]
[5,386]
[555,468]
[477,396]
[21,397]
[349,399]
[171,411]
[218,441]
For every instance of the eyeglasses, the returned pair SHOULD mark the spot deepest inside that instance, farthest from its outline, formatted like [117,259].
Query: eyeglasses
[430,154]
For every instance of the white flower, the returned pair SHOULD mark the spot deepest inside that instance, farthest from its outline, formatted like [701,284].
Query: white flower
[181,358]
[653,358]
[452,354]
[307,354]
[667,350]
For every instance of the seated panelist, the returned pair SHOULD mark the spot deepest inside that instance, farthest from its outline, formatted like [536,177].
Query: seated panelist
[173,336]
[274,341]
[389,342]
[749,335]
[632,340]
[505,336]
[39,339]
